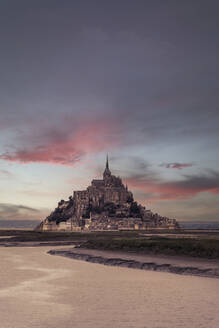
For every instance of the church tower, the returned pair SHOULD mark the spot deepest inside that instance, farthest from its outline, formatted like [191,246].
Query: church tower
[106,172]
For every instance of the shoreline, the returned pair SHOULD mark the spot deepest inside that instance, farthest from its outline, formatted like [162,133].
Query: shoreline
[38,244]
[177,264]
[161,263]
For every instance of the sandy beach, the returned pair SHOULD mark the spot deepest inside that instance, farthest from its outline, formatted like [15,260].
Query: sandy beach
[39,290]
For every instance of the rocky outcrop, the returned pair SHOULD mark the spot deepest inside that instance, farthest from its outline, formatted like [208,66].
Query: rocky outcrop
[106,204]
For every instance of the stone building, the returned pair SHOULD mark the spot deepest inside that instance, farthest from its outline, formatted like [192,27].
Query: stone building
[105,205]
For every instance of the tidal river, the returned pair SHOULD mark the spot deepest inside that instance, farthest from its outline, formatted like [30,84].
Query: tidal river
[38,290]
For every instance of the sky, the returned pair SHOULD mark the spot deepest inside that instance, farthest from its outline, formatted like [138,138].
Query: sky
[134,79]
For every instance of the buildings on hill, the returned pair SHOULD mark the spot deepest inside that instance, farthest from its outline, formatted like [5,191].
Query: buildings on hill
[105,205]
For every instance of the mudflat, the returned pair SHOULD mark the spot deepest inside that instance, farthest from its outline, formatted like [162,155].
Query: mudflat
[174,264]
[40,290]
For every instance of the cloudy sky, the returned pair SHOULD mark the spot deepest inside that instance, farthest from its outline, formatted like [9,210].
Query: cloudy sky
[137,79]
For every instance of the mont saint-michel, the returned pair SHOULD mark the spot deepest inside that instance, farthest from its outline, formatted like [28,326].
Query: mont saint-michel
[107,204]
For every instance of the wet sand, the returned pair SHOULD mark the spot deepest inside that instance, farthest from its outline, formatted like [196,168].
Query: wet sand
[174,264]
[43,291]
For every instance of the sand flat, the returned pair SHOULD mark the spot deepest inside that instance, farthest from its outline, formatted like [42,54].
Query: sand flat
[44,291]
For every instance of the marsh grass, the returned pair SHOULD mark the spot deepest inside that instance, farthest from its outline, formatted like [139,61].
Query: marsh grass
[199,244]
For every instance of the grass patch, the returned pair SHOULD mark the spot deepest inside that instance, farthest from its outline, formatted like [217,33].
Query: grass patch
[206,248]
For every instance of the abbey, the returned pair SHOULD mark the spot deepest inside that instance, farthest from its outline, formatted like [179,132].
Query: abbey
[105,205]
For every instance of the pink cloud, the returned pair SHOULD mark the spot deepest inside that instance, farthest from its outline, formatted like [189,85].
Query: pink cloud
[66,147]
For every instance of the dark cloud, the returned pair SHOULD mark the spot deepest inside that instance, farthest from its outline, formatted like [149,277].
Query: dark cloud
[188,186]
[202,182]
[18,212]
[175,165]
[158,80]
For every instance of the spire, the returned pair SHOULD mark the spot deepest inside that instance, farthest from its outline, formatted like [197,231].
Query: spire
[107,162]
[107,170]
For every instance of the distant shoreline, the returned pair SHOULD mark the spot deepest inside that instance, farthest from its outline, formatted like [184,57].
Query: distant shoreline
[177,265]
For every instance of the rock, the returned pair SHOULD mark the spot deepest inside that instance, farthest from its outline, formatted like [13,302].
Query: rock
[105,205]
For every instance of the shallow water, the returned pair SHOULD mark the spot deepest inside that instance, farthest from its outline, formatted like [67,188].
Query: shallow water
[42,291]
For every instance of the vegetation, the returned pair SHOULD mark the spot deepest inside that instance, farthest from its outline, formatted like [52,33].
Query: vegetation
[135,210]
[196,244]
[206,248]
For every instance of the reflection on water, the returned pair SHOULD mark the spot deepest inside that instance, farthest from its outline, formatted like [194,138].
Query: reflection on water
[43,291]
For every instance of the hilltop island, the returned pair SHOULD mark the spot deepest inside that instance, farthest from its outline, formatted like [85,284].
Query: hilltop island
[106,204]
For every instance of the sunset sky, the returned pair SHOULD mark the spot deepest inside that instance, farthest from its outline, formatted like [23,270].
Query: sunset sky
[135,79]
